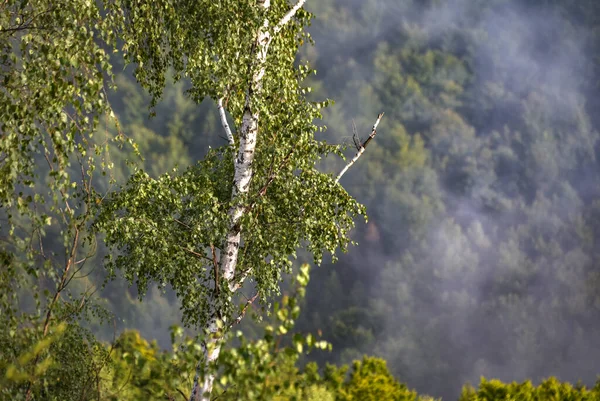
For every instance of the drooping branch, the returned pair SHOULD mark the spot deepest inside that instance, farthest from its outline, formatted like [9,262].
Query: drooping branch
[27,24]
[361,150]
[224,121]
[287,17]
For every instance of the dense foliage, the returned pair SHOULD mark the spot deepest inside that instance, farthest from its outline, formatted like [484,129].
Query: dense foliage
[549,389]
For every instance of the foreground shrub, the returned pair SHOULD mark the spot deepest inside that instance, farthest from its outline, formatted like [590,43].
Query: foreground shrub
[549,390]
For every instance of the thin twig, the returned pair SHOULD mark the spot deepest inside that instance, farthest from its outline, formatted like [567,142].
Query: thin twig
[77,271]
[243,312]
[185,397]
[196,253]
[216,267]
[272,175]
[223,393]
[361,150]
[182,223]
[355,136]
[27,24]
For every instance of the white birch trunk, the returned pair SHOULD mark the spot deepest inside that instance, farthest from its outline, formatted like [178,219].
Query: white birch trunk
[242,179]
[243,162]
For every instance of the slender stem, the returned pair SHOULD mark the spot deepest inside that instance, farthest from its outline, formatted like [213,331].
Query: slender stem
[216,269]
[224,121]
[59,288]
[243,312]
[361,150]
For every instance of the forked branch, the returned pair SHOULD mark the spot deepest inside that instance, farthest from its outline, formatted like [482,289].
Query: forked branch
[361,149]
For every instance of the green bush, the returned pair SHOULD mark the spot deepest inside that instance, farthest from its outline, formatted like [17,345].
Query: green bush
[369,380]
[549,390]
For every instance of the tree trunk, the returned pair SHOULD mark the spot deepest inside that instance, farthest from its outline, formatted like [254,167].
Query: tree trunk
[242,179]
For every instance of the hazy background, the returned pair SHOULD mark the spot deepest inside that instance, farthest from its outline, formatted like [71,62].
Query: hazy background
[481,253]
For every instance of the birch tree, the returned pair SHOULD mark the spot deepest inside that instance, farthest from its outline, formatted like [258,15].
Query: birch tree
[236,217]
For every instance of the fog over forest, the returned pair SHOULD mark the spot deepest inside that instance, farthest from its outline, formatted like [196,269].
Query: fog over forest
[475,263]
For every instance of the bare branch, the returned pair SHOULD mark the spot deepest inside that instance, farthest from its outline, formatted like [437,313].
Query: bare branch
[355,137]
[185,397]
[86,296]
[243,312]
[224,121]
[182,223]
[199,255]
[27,25]
[22,28]
[216,267]
[287,17]
[361,150]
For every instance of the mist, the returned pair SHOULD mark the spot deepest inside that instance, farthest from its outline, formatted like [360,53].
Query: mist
[484,261]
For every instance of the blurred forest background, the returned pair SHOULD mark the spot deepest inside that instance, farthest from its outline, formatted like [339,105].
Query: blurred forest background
[481,255]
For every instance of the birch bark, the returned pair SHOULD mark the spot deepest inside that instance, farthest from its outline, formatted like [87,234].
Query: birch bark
[242,178]
[224,122]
